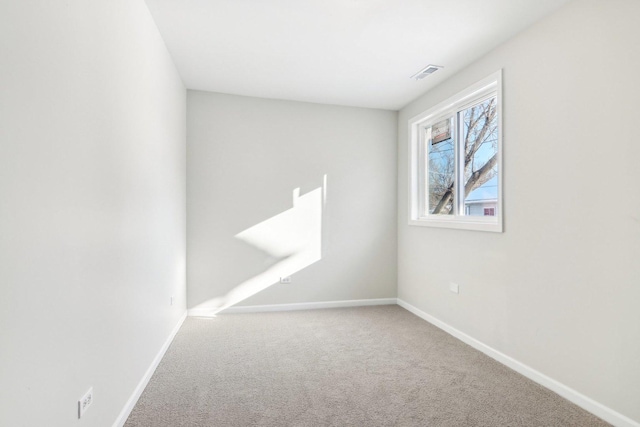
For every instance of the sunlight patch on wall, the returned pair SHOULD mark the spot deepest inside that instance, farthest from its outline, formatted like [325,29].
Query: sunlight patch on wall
[293,236]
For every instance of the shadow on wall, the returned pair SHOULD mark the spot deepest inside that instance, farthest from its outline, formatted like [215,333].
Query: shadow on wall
[294,237]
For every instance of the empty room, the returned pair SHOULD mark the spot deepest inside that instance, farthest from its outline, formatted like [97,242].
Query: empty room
[319,213]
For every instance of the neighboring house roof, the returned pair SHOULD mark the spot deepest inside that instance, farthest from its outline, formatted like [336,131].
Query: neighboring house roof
[479,202]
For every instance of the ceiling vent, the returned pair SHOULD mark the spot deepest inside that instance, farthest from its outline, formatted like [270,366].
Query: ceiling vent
[429,69]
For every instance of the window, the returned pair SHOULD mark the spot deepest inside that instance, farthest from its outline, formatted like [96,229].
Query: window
[456,161]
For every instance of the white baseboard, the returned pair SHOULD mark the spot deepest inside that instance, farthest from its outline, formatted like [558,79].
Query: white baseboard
[128,407]
[297,306]
[586,403]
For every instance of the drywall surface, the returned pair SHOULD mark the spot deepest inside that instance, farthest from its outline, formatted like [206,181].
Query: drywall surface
[559,289]
[92,206]
[247,223]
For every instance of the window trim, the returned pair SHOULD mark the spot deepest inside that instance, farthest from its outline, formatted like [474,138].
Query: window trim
[470,96]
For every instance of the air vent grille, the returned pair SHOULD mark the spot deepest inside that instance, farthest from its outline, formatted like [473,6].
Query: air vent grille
[429,69]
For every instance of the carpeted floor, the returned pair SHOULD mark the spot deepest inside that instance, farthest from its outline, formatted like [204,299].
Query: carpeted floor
[366,366]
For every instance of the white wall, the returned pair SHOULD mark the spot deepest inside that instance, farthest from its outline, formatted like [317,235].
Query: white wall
[245,156]
[559,289]
[92,206]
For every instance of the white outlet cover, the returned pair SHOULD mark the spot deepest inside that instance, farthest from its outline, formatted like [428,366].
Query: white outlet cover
[285,279]
[84,402]
[453,287]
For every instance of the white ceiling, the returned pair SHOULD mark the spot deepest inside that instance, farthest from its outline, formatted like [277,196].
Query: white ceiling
[345,52]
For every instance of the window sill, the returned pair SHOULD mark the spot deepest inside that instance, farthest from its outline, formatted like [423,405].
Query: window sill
[466,223]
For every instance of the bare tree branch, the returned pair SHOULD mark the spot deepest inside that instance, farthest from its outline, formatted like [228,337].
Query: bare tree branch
[489,115]
[481,176]
[446,198]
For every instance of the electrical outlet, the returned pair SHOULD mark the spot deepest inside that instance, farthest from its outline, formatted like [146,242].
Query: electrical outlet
[285,279]
[85,402]
[453,287]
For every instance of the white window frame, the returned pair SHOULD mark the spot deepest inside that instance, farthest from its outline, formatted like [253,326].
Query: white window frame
[418,168]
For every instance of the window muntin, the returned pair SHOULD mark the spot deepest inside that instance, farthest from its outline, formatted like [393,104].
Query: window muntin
[456,161]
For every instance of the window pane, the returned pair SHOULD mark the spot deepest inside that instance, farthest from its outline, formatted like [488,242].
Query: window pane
[480,139]
[441,153]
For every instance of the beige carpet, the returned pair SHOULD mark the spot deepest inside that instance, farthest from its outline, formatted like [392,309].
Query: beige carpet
[366,366]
